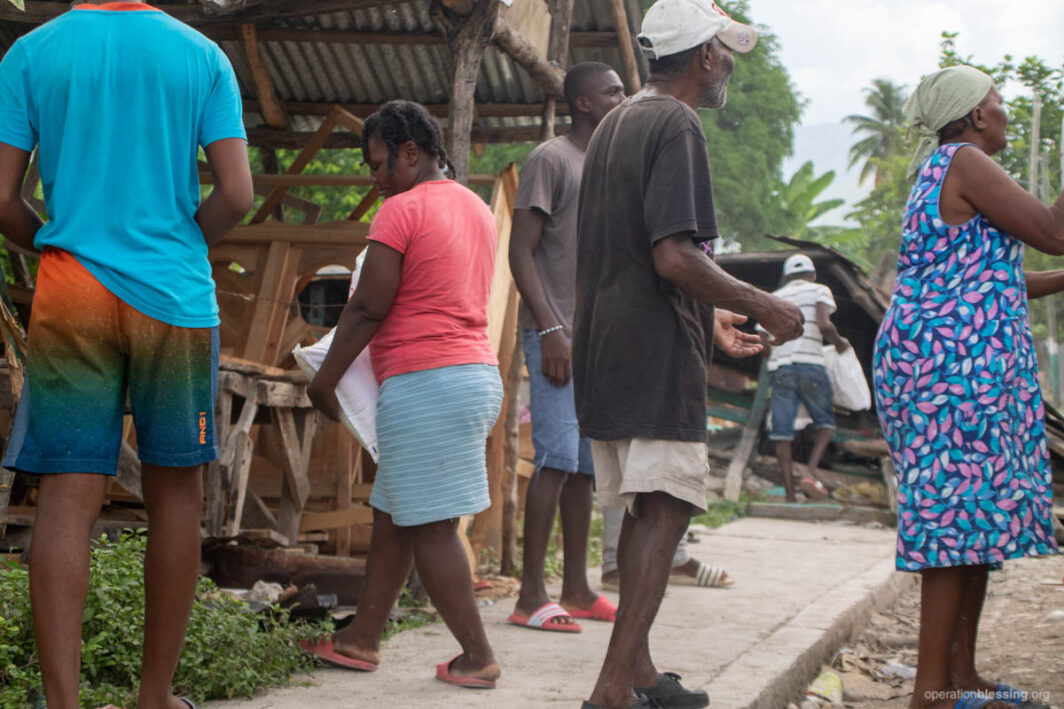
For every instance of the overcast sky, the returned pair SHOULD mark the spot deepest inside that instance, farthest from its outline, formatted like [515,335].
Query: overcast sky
[834,48]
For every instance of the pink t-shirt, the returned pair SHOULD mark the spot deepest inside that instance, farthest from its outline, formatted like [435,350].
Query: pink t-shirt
[440,315]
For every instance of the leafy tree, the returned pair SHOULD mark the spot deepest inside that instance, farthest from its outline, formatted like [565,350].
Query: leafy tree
[750,137]
[879,214]
[882,141]
[795,204]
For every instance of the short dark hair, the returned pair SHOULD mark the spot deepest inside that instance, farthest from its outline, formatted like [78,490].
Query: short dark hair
[397,122]
[673,64]
[578,78]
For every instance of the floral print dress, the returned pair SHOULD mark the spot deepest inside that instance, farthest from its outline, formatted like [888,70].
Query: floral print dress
[956,384]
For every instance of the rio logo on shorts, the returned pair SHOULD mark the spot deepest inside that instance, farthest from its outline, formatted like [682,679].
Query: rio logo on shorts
[203,428]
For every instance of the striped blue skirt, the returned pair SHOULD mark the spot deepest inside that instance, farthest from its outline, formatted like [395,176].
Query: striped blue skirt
[432,427]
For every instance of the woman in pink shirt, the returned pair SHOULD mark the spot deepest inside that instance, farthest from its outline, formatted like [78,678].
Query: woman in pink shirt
[421,307]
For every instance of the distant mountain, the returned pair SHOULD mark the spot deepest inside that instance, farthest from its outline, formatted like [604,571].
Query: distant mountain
[828,146]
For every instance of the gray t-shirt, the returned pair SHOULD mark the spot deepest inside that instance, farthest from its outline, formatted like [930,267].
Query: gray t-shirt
[639,343]
[550,182]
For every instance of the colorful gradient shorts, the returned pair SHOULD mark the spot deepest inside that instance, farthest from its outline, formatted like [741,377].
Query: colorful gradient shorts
[88,351]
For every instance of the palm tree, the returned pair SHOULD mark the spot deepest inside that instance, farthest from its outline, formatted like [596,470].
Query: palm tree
[882,130]
[795,203]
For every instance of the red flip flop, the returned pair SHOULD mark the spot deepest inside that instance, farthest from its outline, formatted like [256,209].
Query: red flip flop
[443,674]
[601,609]
[325,652]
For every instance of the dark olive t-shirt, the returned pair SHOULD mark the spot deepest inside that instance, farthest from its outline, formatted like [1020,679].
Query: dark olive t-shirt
[639,345]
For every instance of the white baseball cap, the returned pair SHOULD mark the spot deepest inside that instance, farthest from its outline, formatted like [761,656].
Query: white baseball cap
[799,263]
[674,26]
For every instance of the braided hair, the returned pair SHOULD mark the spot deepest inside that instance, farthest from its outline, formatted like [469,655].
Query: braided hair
[397,122]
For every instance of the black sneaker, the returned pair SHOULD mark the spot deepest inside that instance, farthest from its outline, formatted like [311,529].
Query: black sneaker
[670,694]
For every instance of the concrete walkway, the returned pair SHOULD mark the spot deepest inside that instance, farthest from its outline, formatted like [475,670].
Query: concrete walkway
[801,588]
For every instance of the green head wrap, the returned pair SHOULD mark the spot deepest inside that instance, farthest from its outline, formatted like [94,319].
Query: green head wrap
[943,97]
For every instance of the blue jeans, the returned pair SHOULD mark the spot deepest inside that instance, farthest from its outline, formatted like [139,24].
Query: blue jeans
[805,383]
[555,430]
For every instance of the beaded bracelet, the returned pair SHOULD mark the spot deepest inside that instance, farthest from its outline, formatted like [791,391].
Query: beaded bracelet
[549,330]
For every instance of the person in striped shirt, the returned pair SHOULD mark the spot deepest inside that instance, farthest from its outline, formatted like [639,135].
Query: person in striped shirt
[798,374]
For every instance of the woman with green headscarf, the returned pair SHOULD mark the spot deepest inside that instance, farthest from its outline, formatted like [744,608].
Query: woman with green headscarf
[957,380]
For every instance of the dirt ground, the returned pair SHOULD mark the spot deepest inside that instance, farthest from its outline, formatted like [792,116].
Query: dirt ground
[1021,640]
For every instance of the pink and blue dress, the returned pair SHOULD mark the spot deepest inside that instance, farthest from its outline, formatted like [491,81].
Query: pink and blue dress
[957,391]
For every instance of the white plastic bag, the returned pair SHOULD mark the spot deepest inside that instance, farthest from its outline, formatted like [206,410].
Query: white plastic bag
[357,390]
[849,388]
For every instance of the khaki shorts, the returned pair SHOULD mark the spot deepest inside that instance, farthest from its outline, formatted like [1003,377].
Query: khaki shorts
[630,466]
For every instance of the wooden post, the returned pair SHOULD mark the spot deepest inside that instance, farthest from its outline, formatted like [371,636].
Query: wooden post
[625,39]
[347,462]
[273,110]
[271,165]
[7,480]
[561,12]
[468,41]
[521,51]
[273,302]
[513,444]
[733,485]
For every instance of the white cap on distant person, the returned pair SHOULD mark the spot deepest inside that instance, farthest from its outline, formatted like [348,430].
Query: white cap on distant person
[674,26]
[799,263]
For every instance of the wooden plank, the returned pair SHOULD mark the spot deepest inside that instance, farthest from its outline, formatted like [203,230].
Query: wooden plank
[561,12]
[532,19]
[281,394]
[203,13]
[291,140]
[248,366]
[273,302]
[512,415]
[305,180]
[296,452]
[256,514]
[584,39]
[340,233]
[502,333]
[313,144]
[365,205]
[627,44]
[7,479]
[236,459]
[296,457]
[335,519]
[502,281]
[347,462]
[733,484]
[273,111]
[529,58]
[128,470]
[439,110]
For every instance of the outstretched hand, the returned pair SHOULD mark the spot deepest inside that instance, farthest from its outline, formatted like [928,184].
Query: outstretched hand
[730,339]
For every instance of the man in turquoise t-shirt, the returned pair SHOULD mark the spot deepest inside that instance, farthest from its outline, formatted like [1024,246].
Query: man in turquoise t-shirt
[117,99]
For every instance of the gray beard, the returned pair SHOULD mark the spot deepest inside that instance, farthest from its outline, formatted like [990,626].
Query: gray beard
[714,97]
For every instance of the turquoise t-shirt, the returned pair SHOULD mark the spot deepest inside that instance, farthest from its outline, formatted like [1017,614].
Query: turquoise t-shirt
[119,97]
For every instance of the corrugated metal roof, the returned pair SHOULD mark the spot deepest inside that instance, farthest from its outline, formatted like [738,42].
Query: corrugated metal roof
[329,72]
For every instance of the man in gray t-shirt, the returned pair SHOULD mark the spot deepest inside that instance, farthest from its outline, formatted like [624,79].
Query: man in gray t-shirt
[543,261]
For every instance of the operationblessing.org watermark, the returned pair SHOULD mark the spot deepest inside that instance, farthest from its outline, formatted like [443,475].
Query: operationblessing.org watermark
[1014,695]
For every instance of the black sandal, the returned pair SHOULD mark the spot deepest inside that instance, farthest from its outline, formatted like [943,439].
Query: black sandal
[670,694]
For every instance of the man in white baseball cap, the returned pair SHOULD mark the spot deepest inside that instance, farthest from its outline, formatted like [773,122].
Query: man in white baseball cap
[674,26]
[648,300]
[798,373]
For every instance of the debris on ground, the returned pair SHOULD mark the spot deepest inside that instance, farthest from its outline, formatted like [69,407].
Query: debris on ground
[1020,636]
